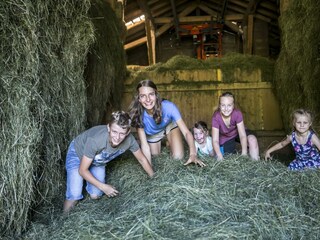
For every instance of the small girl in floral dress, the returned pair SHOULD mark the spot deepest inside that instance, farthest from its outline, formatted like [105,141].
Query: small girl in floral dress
[305,142]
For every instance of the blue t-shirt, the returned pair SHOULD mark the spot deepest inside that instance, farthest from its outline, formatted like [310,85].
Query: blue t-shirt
[170,113]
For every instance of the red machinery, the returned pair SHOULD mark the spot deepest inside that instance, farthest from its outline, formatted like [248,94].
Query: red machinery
[207,37]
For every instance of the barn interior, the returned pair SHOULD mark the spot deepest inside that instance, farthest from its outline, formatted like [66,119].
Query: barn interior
[200,29]
[66,65]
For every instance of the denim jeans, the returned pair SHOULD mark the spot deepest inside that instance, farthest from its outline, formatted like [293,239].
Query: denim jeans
[75,181]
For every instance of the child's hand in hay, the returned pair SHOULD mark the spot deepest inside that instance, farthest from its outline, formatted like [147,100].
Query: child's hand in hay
[193,159]
[305,142]
[109,190]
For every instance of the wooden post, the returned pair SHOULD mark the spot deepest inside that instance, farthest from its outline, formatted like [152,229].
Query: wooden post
[151,42]
[250,34]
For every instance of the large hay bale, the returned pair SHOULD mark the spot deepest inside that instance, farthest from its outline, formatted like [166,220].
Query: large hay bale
[44,45]
[298,66]
[106,69]
[228,64]
[233,199]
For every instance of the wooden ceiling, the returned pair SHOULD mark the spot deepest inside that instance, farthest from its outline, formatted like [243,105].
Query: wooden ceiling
[165,14]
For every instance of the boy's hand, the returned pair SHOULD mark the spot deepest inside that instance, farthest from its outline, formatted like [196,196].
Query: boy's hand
[109,190]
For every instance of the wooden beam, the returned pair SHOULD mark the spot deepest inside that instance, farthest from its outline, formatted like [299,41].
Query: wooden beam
[215,14]
[175,19]
[135,25]
[208,10]
[133,14]
[135,43]
[192,6]
[151,42]
[194,19]
[138,28]
[146,10]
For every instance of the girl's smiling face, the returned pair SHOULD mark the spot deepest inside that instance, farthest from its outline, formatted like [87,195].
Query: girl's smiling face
[199,135]
[226,105]
[147,98]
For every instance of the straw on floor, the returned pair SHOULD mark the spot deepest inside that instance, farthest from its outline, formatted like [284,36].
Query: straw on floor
[233,199]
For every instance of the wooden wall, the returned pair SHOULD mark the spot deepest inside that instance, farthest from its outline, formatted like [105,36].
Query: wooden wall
[196,94]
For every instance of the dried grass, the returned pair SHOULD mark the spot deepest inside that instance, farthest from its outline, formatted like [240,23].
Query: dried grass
[43,52]
[228,64]
[106,69]
[232,199]
[298,66]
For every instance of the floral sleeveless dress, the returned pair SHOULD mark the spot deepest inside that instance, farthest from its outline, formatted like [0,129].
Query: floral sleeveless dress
[307,155]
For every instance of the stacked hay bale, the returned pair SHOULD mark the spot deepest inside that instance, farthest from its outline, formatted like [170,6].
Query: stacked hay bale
[44,45]
[106,67]
[298,66]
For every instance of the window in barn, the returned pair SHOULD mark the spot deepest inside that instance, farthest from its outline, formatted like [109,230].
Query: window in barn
[135,21]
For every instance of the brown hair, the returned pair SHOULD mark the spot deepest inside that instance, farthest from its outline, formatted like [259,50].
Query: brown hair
[227,94]
[121,118]
[201,125]
[136,109]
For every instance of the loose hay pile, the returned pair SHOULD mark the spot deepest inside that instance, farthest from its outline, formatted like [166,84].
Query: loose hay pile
[228,64]
[232,199]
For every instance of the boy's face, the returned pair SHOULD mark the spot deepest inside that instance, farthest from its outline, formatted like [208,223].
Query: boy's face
[117,134]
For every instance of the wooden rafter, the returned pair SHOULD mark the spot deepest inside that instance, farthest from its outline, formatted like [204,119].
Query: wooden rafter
[191,7]
[146,10]
[175,18]
[215,14]
[150,31]
[163,15]
[151,42]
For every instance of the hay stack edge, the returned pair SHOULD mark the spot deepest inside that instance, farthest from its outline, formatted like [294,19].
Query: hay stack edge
[44,97]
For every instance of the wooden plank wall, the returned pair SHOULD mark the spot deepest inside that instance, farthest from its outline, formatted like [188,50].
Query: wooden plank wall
[196,94]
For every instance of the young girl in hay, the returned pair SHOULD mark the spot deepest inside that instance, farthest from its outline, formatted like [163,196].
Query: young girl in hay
[156,118]
[89,152]
[305,142]
[228,128]
[202,139]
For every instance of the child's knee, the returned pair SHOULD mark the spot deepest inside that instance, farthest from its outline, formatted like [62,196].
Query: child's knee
[94,196]
[178,156]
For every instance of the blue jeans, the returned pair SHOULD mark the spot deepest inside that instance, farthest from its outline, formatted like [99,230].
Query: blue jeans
[75,181]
